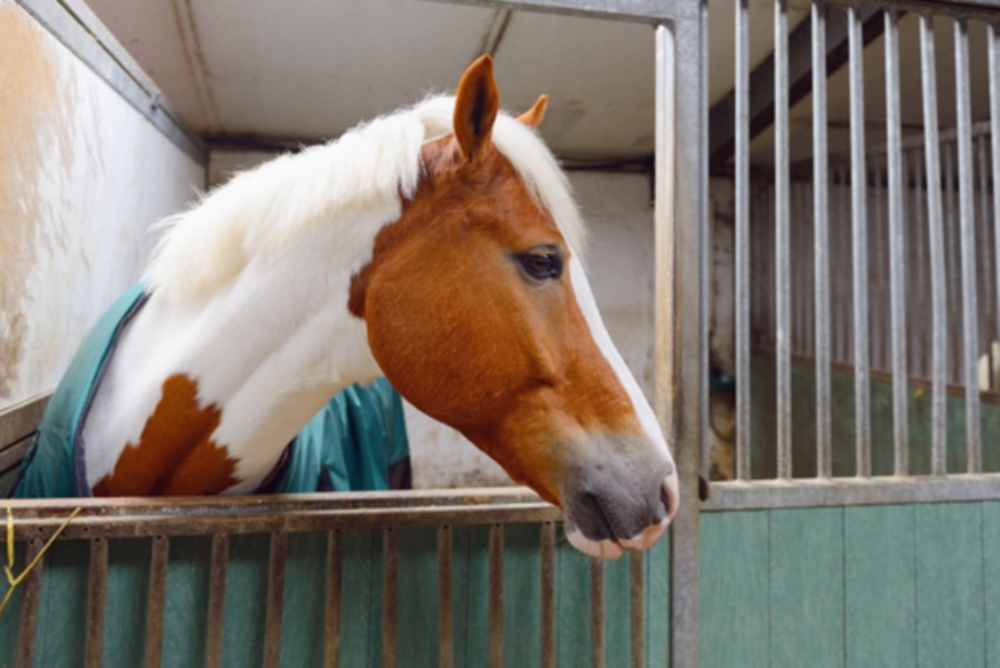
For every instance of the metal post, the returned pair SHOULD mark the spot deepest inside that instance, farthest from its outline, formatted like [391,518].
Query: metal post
[821,243]
[782,285]
[859,227]
[967,225]
[742,205]
[681,219]
[897,245]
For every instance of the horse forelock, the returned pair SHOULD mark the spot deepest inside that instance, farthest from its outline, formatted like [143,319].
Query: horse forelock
[368,169]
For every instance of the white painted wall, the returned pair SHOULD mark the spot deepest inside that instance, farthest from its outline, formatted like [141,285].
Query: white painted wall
[83,176]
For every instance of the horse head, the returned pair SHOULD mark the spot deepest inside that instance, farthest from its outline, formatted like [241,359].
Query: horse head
[479,312]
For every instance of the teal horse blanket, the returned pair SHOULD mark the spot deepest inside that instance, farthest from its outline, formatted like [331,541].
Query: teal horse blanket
[357,441]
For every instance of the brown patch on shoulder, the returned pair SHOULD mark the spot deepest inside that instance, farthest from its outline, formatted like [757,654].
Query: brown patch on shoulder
[358,292]
[34,108]
[175,455]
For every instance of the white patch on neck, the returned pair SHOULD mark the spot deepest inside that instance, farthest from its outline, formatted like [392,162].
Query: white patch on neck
[588,306]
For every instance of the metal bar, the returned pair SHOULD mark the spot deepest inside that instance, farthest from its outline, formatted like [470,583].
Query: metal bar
[216,600]
[331,622]
[640,11]
[742,222]
[801,69]
[782,285]
[821,245]
[681,220]
[597,612]
[495,616]
[637,605]
[897,245]
[882,490]
[138,517]
[275,600]
[967,222]
[30,598]
[158,562]
[859,228]
[97,579]
[993,39]
[390,596]
[548,611]
[446,603]
[952,243]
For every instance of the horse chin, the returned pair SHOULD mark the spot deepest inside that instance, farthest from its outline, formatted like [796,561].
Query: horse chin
[606,549]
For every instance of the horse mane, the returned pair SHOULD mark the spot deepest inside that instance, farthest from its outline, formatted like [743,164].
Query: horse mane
[368,169]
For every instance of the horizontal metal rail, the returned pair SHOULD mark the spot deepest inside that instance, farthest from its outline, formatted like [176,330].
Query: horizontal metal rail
[819,492]
[186,516]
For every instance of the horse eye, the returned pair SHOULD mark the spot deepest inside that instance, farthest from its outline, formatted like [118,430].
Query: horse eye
[542,263]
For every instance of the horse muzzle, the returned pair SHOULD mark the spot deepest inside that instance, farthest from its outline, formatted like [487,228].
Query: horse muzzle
[622,502]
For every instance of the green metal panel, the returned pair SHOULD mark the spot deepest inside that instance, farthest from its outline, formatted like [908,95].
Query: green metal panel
[361,600]
[303,610]
[806,549]
[522,594]
[470,579]
[186,608]
[572,605]
[733,581]
[417,627]
[60,639]
[617,633]
[657,610]
[246,592]
[880,586]
[991,567]
[950,585]
[127,595]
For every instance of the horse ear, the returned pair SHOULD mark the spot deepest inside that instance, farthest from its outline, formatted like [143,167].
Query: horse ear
[533,117]
[476,104]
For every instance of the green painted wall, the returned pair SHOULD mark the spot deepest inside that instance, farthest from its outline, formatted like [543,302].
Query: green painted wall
[60,638]
[863,586]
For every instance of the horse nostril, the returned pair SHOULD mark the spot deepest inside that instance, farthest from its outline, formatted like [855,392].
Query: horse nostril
[665,499]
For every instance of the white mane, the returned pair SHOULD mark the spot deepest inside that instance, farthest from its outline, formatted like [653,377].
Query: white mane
[366,169]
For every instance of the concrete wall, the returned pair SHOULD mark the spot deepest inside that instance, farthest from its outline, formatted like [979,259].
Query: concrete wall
[617,208]
[83,175]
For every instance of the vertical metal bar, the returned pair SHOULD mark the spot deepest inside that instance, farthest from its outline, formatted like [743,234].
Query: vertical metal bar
[967,221]
[158,563]
[275,600]
[897,244]
[96,590]
[935,244]
[637,605]
[495,617]
[390,595]
[548,611]
[952,246]
[859,229]
[821,243]
[446,639]
[782,285]
[681,216]
[216,600]
[742,269]
[994,74]
[331,625]
[919,293]
[596,612]
[30,598]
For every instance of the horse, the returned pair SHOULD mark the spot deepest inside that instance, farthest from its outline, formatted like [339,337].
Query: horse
[438,246]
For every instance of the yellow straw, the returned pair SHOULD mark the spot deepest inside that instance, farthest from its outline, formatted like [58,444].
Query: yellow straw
[8,567]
